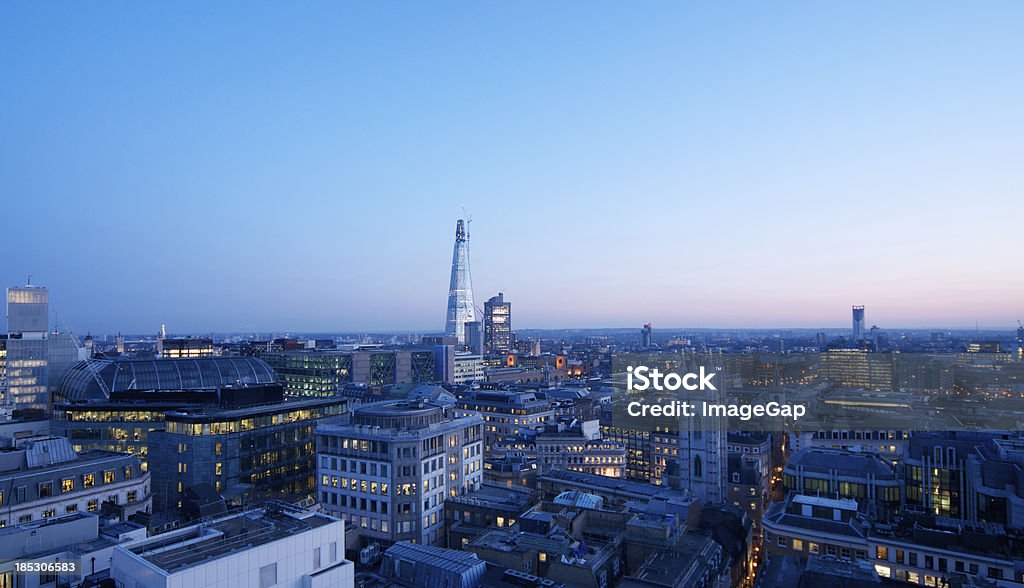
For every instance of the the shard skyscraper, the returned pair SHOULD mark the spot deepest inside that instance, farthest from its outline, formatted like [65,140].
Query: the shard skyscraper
[460,291]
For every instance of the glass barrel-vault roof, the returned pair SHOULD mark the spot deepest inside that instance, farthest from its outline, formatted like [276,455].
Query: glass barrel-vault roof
[80,382]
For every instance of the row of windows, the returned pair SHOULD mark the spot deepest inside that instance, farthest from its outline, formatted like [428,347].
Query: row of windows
[356,467]
[886,554]
[91,506]
[67,485]
[939,564]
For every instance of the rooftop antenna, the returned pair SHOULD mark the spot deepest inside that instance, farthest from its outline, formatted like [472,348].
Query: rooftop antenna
[29,280]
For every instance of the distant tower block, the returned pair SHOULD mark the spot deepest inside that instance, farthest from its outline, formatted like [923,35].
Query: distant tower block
[858,323]
[460,291]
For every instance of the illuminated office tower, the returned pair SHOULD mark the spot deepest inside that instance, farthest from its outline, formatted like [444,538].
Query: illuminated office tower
[28,310]
[460,290]
[497,325]
[858,323]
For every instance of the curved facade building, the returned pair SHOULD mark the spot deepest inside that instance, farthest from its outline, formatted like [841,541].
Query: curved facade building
[94,379]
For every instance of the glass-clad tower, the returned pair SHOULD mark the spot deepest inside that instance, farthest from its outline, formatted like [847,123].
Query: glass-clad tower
[27,325]
[460,290]
[858,323]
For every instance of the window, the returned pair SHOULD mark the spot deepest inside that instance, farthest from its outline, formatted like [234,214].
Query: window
[49,513]
[93,505]
[71,508]
[132,495]
[316,558]
[108,477]
[814,548]
[67,485]
[881,552]
[127,472]
[781,541]
[88,480]
[268,576]
[45,489]
[798,544]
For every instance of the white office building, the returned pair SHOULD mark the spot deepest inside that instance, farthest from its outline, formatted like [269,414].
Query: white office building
[274,547]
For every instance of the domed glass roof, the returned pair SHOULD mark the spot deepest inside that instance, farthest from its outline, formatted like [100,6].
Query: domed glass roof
[81,382]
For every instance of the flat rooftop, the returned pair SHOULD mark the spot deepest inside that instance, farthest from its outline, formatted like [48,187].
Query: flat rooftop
[183,549]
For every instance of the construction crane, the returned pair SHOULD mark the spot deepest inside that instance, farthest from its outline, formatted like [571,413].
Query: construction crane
[89,364]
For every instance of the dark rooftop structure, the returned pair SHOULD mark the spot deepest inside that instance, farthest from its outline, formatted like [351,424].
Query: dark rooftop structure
[411,564]
[842,462]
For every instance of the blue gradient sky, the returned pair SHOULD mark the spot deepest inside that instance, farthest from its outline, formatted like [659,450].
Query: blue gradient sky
[278,166]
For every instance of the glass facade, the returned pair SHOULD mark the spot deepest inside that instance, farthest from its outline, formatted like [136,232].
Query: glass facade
[248,455]
[80,383]
[26,372]
[27,323]
[316,375]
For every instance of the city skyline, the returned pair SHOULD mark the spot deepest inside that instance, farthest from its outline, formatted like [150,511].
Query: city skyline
[730,167]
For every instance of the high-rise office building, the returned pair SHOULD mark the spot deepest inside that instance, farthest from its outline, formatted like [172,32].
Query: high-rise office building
[28,310]
[460,290]
[858,323]
[645,336]
[497,325]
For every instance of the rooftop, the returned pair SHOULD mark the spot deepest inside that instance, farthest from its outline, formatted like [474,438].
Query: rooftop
[637,489]
[449,560]
[39,453]
[496,496]
[844,462]
[94,379]
[180,550]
